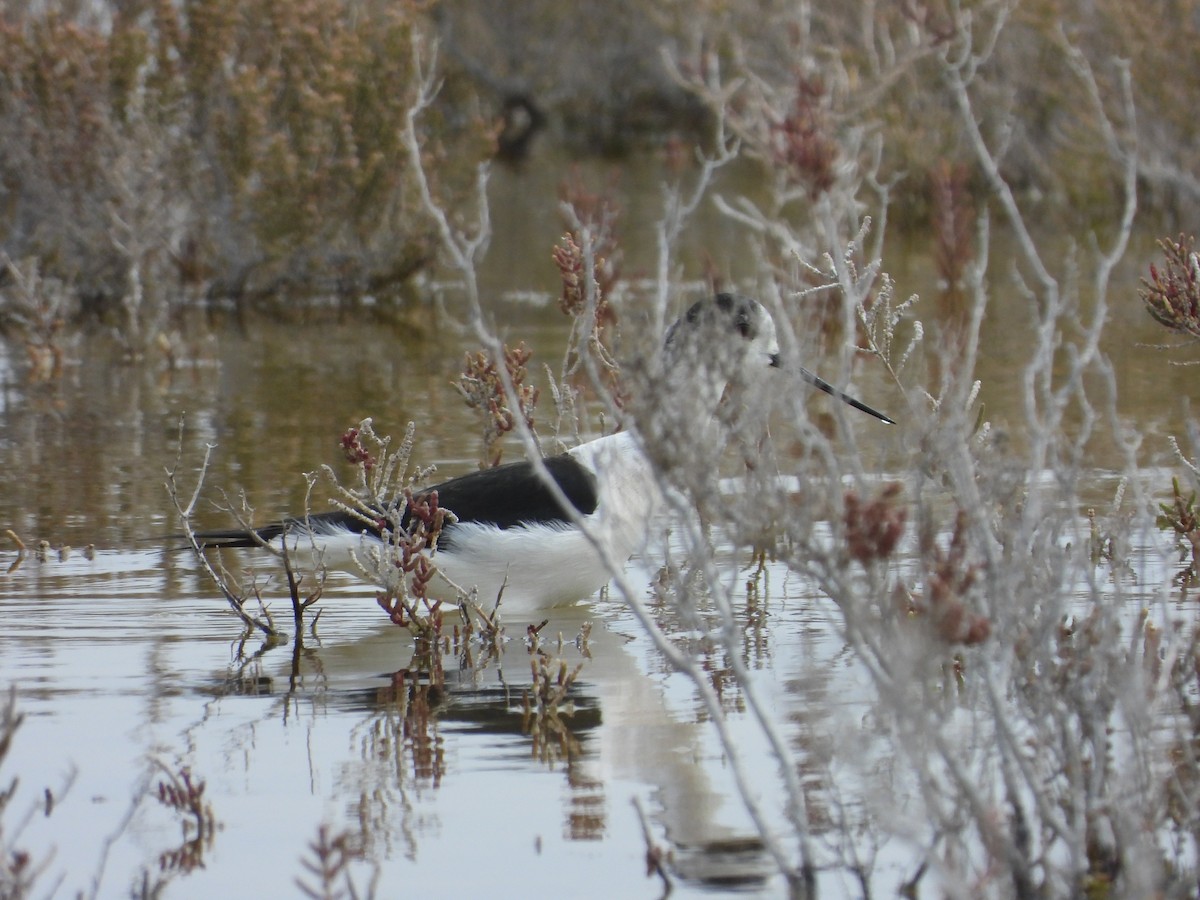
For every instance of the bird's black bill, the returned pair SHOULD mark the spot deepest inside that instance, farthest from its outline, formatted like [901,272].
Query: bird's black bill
[817,381]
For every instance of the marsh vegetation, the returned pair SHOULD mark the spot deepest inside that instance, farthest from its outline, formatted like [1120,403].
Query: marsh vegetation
[957,657]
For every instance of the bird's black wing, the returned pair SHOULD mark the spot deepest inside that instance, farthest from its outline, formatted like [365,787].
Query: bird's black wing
[515,494]
[504,496]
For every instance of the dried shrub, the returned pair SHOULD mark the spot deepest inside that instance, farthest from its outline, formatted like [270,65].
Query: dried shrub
[588,258]
[482,387]
[953,225]
[18,872]
[949,578]
[874,528]
[216,149]
[384,498]
[33,313]
[1180,517]
[598,214]
[1172,294]
[801,143]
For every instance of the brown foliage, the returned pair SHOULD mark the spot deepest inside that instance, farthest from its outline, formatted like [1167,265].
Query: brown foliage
[482,387]
[874,528]
[213,146]
[949,577]
[802,143]
[1172,293]
[953,223]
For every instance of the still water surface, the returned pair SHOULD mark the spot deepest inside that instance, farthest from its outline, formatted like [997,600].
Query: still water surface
[128,660]
[125,660]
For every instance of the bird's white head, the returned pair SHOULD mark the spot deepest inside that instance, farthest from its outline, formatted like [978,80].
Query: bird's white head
[723,341]
[720,339]
[731,338]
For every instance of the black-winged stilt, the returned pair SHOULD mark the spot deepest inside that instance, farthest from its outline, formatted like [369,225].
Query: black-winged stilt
[511,530]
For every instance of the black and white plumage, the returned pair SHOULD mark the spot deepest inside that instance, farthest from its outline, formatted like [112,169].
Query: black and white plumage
[510,529]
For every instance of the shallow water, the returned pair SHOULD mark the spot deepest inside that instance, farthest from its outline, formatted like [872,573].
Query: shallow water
[127,664]
[128,661]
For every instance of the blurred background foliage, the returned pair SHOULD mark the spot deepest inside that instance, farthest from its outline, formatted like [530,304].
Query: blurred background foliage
[154,153]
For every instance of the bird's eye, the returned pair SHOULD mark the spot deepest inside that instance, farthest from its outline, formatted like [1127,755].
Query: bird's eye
[743,326]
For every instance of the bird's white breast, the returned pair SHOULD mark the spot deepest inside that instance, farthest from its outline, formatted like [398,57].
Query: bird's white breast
[553,564]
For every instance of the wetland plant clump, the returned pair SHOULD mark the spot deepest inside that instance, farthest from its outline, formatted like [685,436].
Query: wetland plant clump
[1171,293]
[1031,718]
[158,156]
[1030,699]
